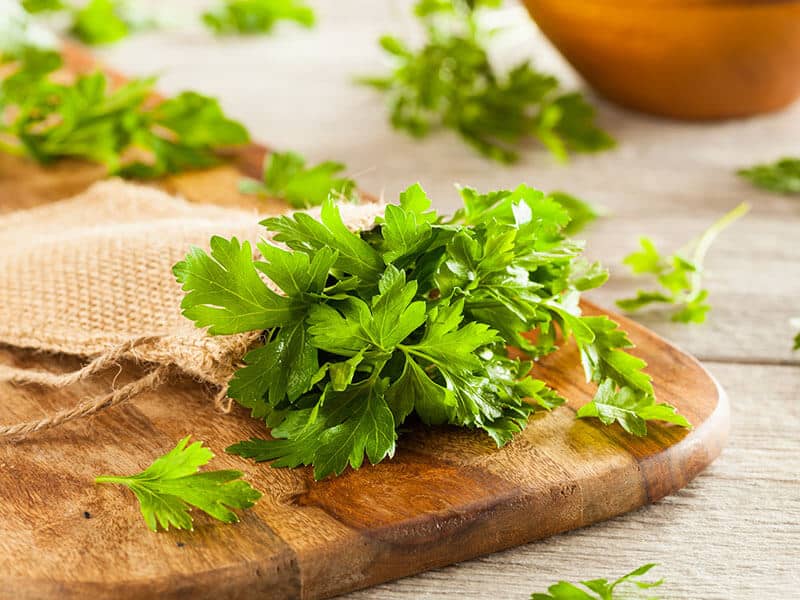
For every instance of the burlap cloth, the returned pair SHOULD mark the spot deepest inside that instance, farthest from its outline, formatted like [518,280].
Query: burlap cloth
[91,276]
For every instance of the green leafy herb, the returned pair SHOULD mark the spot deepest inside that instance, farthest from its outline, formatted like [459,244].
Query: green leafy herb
[796,325]
[581,213]
[256,16]
[451,83]
[94,22]
[100,22]
[782,176]
[286,177]
[602,589]
[679,275]
[48,120]
[415,315]
[38,6]
[171,485]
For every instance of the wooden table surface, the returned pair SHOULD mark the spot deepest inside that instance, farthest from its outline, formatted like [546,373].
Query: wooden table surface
[735,531]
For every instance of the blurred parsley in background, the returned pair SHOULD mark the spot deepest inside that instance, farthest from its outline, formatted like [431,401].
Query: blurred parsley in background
[451,83]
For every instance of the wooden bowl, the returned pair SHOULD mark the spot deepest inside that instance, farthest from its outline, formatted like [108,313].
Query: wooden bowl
[690,59]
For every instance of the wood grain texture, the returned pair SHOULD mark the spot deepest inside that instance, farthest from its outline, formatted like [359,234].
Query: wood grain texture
[447,496]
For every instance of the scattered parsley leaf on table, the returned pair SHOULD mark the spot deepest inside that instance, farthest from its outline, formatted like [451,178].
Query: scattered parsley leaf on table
[796,325]
[679,275]
[782,176]
[415,315]
[47,120]
[172,484]
[602,589]
[287,178]
[451,83]
[95,22]
[38,6]
[100,22]
[256,16]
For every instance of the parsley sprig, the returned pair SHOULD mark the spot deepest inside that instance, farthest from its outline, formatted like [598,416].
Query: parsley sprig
[782,176]
[94,22]
[679,275]
[602,589]
[415,315]
[171,485]
[45,119]
[256,16]
[451,83]
[287,178]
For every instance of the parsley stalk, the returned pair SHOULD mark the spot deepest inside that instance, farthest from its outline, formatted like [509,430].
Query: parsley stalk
[679,275]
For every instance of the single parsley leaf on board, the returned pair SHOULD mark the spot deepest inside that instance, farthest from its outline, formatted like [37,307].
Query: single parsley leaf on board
[451,83]
[680,275]
[630,410]
[252,17]
[286,177]
[87,118]
[415,315]
[602,589]
[782,176]
[796,324]
[168,488]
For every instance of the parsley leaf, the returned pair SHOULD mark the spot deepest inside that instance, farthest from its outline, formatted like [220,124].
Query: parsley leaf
[415,315]
[47,120]
[602,589]
[225,292]
[624,406]
[171,485]
[38,6]
[287,178]
[451,83]
[581,213]
[796,324]
[95,22]
[782,176]
[679,275]
[256,16]
[100,22]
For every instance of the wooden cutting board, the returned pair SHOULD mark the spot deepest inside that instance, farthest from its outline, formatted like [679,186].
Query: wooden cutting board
[448,495]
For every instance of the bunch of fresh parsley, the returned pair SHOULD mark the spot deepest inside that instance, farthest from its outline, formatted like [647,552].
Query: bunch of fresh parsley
[256,16]
[679,275]
[287,178]
[450,82]
[46,119]
[415,315]
[782,176]
[602,589]
[171,485]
